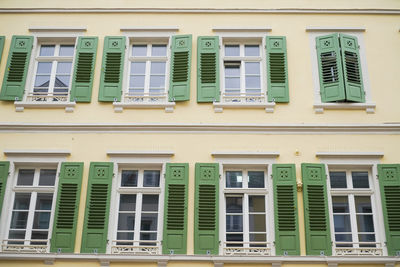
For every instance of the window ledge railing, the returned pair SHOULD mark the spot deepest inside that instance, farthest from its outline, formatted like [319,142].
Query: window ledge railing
[147,247]
[244,100]
[361,249]
[144,101]
[26,247]
[45,100]
[247,248]
[368,107]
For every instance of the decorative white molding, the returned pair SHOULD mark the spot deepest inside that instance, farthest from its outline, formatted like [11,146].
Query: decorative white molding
[268,106]
[368,107]
[140,153]
[241,29]
[57,29]
[363,155]
[167,106]
[234,154]
[148,29]
[20,105]
[334,29]
[36,153]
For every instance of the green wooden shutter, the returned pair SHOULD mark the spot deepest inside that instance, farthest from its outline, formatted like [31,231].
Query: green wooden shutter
[2,40]
[4,167]
[330,68]
[85,58]
[175,208]
[181,54]
[206,209]
[278,85]
[95,226]
[17,68]
[208,69]
[389,183]
[287,240]
[67,206]
[353,81]
[316,213]
[112,69]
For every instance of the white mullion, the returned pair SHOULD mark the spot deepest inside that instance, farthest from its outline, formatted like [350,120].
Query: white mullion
[138,217]
[31,214]
[147,70]
[245,216]
[242,70]
[353,220]
[116,219]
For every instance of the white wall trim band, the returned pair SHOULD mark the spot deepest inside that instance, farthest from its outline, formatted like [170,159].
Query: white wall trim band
[140,153]
[237,154]
[371,155]
[57,29]
[335,29]
[242,29]
[147,29]
[37,153]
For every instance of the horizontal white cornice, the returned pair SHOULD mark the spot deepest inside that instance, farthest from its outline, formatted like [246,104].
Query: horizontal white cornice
[383,128]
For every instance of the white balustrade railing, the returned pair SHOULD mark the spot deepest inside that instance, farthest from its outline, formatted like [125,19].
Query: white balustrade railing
[45,97]
[243,98]
[141,247]
[145,98]
[358,249]
[25,246]
[247,248]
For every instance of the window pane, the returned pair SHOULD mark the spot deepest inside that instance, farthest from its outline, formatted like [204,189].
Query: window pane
[16,235]
[256,179]
[257,222]
[363,204]
[64,67]
[47,50]
[127,203]
[148,236]
[232,50]
[25,177]
[62,81]
[47,177]
[151,179]
[366,238]
[234,204]
[157,68]
[126,221]
[44,67]
[360,179]
[19,220]
[137,81]
[251,50]
[44,201]
[157,81]
[340,204]
[258,238]
[234,223]
[232,70]
[129,178]
[150,203]
[41,220]
[138,67]
[253,82]
[343,238]
[338,179]
[124,236]
[42,81]
[149,222]
[252,67]
[234,179]
[232,83]
[234,238]
[139,50]
[67,50]
[159,50]
[342,223]
[256,203]
[365,223]
[22,201]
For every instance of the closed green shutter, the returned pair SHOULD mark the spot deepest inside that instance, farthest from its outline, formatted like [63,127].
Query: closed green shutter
[330,68]
[353,81]
[112,69]
[85,58]
[278,85]
[2,40]
[95,226]
[175,208]
[206,209]
[208,69]
[181,54]
[4,167]
[67,205]
[316,213]
[287,240]
[17,68]
[389,183]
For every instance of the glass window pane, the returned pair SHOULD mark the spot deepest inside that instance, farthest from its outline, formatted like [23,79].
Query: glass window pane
[253,82]
[129,178]
[150,203]
[16,235]
[44,67]
[126,221]
[256,203]
[22,201]
[41,220]
[363,204]
[139,50]
[338,179]
[47,50]
[234,238]
[25,177]
[149,222]
[127,203]
[234,223]
[42,81]
[124,236]
[256,238]
[234,179]
[232,83]
[252,68]
[64,67]
[365,223]
[148,236]
[234,204]
[62,81]
[251,50]
[67,50]
[366,237]
[151,178]
[340,204]
[360,179]
[47,177]
[138,67]
[19,219]
[257,223]
[232,70]
[137,81]
[157,68]
[232,50]
[256,179]
[157,81]
[343,238]
[44,201]
[342,223]
[159,50]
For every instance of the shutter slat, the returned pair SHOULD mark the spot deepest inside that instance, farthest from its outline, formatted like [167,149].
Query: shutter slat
[4,168]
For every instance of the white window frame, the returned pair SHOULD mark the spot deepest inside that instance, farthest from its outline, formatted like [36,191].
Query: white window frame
[319,106]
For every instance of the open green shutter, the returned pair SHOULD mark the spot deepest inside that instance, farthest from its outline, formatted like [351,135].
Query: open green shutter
[353,81]
[389,183]
[95,226]
[17,68]
[330,68]
[175,208]
[208,69]
[2,40]
[287,240]
[206,209]
[181,54]
[4,167]
[67,205]
[316,213]
[112,69]
[85,58]
[278,85]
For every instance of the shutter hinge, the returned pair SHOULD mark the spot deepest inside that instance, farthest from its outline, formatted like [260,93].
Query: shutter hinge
[377,176]
[220,176]
[164,175]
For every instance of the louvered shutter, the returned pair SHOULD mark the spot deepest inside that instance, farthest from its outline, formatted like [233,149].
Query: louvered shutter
[278,86]
[316,213]
[353,82]
[2,40]
[181,54]
[206,209]
[208,69]
[4,167]
[330,68]
[95,226]
[67,205]
[112,69]
[389,183]
[17,68]
[175,208]
[85,58]
[287,240]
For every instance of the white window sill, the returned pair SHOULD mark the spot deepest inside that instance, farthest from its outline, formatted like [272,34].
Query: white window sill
[219,106]
[368,107]
[167,106]
[21,105]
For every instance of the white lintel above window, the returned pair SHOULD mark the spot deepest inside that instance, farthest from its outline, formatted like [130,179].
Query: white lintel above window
[245,157]
[57,32]
[334,29]
[350,158]
[162,31]
[41,156]
[140,157]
